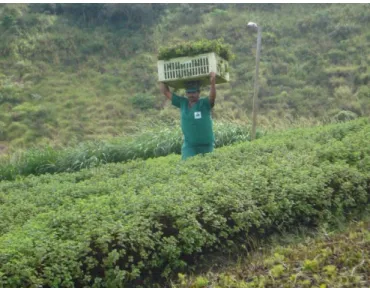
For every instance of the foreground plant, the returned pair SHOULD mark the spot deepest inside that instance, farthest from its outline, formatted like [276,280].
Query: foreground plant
[137,224]
[330,260]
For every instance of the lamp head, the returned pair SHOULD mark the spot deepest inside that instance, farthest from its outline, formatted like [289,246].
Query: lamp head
[252,25]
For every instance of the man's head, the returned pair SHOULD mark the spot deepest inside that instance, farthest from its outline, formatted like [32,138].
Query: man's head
[192,90]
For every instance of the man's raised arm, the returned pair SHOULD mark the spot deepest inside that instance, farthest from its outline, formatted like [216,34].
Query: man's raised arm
[165,91]
[212,93]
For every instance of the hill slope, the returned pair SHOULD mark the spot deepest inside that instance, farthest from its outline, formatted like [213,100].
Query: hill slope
[71,72]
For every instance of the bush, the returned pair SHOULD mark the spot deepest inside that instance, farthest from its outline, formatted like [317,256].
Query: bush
[143,101]
[317,260]
[337,57]
[342,32]
[11,93]
[345,116]
[363,93]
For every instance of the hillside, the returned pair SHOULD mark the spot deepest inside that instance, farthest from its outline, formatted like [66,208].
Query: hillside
[73,72]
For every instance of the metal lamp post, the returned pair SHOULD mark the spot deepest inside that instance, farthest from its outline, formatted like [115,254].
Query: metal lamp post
[257,28]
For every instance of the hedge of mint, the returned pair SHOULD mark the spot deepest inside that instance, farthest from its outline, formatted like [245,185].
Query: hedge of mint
[126,225]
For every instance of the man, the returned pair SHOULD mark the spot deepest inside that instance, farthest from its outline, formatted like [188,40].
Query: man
[196,120]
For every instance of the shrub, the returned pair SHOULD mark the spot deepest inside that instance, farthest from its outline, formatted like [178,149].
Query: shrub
[345,116]
[319,262]
[363,93]
[143,101]
[337,56]
[10,93]
[342,32]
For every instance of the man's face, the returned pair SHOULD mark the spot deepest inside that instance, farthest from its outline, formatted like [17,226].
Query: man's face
[193,96]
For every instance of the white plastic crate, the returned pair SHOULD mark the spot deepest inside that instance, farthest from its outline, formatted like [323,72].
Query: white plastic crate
[176,71]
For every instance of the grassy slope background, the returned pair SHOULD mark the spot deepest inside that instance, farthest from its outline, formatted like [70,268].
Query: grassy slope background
[71,72]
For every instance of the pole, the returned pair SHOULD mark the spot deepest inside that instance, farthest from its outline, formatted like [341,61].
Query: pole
[256,87]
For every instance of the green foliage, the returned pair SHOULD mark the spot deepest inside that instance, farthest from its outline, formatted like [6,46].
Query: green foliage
[10,92]
[143,101]
[29,112]
[82,58]
[7,21]
[336,56]
[342,32]
[99,13]
[197,47]
[124,224]
[11,14]
[345,116]
[157,142]
[331,260]
[68,71]
[364,93]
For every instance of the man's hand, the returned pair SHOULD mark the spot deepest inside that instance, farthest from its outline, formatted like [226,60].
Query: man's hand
[165,90]
[212,77]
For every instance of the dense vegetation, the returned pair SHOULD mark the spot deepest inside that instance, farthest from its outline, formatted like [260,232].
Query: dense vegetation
[130,224]
[339,259]
[154,143]
[85,75]
[198,47]
[72,72]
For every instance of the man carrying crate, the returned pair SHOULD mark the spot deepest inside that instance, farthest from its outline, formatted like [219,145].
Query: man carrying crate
[196,120]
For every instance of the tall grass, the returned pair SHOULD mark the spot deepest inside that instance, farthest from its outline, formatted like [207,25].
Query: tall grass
[160,141]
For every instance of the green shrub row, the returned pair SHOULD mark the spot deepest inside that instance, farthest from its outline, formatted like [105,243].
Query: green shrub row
[153,143]
[195,48]
[132,224]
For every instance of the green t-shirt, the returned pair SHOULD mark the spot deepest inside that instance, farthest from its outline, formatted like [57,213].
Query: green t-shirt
[196,122]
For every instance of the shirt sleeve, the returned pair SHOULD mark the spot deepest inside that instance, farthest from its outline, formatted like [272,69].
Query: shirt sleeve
[176,100]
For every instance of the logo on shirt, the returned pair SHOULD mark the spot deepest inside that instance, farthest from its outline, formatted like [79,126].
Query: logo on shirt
[197,115]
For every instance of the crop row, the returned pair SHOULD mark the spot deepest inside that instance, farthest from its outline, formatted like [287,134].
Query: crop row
[122,225]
